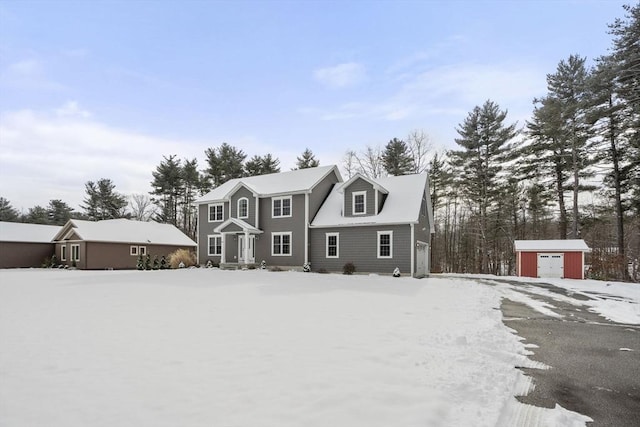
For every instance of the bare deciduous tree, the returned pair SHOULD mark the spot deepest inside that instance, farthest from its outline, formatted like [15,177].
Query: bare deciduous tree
[142,208]
[420,145]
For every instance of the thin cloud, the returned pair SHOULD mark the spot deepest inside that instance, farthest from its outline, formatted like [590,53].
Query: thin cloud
[342,75]
[28,74]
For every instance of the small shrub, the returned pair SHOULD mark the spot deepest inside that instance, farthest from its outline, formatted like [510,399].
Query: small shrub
[182,256]
[263,264]
[163,263]
[140,262]
[156,262]
[306,267]
[275,268]
[348,268]
[323,271]
[251,267]
[396,272]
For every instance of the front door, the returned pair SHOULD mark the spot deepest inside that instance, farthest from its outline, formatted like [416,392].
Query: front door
[246,240]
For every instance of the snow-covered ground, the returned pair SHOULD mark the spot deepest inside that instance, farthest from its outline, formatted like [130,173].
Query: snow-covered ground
[204,347]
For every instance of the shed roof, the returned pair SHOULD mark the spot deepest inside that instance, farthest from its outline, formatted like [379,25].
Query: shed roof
[574,245]
[295,181]
[126,231]
[401,206]
[27,233]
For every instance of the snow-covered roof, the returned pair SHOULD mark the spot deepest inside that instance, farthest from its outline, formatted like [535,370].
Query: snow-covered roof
[401,206]
[27,233]
[240,223]
[373,183]
[551,245]
[126,231]
[296,181]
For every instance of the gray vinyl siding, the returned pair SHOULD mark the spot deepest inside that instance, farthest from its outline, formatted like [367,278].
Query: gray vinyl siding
[359,185]
[295,224]
[244,192]
[359,245]
[320,193]
[205,228]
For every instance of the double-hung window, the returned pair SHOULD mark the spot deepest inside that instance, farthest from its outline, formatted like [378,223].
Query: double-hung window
[281,207]
[133,251]
[216,212]
[281,244]
[75,252]
[215,245]
[359,202]
[385,244]
[63,253]
[243,208]
[332,245]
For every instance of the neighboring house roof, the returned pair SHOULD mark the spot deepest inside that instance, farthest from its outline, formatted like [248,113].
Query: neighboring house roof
[27,233]
[296,181]
[125,231]
[550,245]
[402,205]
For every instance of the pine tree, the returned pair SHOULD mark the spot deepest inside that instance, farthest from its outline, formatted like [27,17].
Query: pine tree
[397,159]
[7,212]
[225,163]
[37,215]
[167,186]
[485,141]
[307,160]
[262,165]
[102,201]
[59,212]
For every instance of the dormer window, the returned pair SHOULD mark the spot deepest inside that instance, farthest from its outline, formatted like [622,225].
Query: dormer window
[243,208]
[359,202]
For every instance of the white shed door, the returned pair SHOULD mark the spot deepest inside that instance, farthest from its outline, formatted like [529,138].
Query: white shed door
[551,265]
[422,258]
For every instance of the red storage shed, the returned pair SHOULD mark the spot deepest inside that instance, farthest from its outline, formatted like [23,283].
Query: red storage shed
[550,258]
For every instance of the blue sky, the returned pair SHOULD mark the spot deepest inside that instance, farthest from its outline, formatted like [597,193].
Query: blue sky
[94,89]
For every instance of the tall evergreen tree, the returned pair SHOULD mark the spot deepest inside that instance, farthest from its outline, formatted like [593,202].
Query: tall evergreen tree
[37,215]
[102,201]
[262,165]
[485,140]
[307,160]
[224,163]
[59,212]
[396,158]
[7,212]
[191,185]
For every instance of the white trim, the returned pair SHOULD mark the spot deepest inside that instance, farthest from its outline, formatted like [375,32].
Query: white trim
[133,250]
[238,208]
[63,252]
[306,228]
[257,212]
[375,208]
[142,250]
[282,233]
[326,245]
[213,236]
[353,202]
[381,233]
[77,252]
[281,198]
[413,250]
[215,205]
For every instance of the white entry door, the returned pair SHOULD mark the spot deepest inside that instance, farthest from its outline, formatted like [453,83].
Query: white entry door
[551,265]
[242,241]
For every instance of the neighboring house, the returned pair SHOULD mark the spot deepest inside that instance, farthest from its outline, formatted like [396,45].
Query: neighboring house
[550,258]
[25,245]
[116,243]
[377,224]
[288,219]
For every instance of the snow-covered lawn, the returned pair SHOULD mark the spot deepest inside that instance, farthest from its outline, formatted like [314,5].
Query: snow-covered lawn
[205,347]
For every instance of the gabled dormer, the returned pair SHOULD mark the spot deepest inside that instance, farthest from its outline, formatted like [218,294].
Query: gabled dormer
[362,197]
[243,204]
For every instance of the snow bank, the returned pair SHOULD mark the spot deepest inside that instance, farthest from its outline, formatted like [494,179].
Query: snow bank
[204,347]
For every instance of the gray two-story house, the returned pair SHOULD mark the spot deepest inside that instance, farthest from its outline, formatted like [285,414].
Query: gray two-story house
[311,216]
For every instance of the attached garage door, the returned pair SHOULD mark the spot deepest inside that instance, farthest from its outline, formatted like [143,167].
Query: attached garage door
[551,265]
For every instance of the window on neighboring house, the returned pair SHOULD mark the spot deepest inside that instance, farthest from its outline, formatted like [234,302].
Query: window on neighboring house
[133,250]
[359,199]
[215,245]
[243,208]
[75,252]
[63,253]
[281,243]
[142,250]
[385,244]
[281,206]
[216,212]
[333,241]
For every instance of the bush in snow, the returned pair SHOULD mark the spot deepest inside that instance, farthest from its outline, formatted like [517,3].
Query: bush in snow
[348,268]
[163,263]
[156,262]
[396,272]
[306,267]
[209,264]
[147,262]
[140,263]
[263,264]
[184,256]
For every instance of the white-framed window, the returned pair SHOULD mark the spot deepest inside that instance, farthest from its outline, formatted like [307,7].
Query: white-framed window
[359,202]
[281,207]
[63,253]
[281,243]
[243,208]
[133,250]
[332,245]
[216,212]
[214,245]
[385,244]
[75,252]
[142,250]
